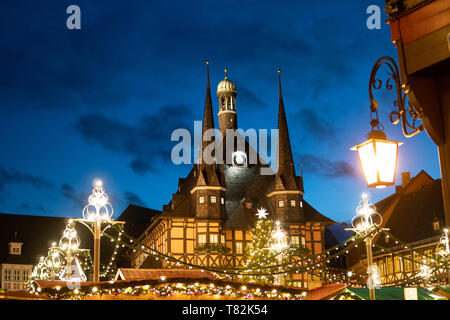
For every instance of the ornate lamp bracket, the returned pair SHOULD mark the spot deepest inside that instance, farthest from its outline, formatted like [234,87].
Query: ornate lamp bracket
[409,115]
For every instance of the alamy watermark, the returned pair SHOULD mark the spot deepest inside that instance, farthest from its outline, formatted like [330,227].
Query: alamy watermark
[374,20]
[233,142]
[74,20]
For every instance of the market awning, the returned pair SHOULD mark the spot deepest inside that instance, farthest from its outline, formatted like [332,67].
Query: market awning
[388,293]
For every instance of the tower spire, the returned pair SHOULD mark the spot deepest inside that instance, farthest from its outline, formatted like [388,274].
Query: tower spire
[208,120]
[285,160]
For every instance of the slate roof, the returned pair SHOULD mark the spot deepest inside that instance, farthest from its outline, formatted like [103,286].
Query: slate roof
[137,219]
[38,232]
[413,216]
[243,183]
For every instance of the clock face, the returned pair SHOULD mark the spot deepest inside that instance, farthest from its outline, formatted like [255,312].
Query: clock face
[239,158]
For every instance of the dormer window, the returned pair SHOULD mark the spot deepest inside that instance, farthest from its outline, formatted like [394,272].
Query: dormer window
[293,203]
[213,199]
[201,199]
[281,204]
[15,248]
[436,225]
[248,205]
[239,159]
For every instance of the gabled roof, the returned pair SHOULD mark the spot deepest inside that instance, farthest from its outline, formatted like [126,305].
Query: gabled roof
[38,232]
[313,215]
[412,218]
[410,212]
[137,219]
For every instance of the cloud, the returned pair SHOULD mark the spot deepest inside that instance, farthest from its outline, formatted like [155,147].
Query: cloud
[247,98]
[315,126]
[147,141]
[132,198]
[68,192]
[35,208]
[326,167]
[10,175]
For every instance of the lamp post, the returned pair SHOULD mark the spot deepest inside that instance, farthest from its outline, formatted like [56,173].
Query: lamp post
[378,155]
[280,244]
[363,224]
[97,212]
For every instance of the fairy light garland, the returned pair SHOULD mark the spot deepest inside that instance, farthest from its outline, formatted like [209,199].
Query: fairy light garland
[178,286]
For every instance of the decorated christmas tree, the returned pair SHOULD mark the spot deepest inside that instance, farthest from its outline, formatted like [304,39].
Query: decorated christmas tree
[260,258]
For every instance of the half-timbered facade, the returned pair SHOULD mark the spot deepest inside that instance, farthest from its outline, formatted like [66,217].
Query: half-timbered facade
[414,214]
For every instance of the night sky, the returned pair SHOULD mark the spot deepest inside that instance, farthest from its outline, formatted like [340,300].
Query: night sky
[101,102]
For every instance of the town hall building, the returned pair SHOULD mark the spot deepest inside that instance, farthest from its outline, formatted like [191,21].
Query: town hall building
[208,220]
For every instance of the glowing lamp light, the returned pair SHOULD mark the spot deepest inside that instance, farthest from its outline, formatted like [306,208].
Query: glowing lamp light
[378,157]
[98,208]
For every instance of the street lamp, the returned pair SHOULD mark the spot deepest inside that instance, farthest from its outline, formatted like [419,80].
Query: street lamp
[279,245]
[364,223]
[97,212]
[378,158]
[378,155]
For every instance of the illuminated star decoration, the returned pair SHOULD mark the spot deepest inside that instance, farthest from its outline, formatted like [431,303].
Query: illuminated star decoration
[262,213]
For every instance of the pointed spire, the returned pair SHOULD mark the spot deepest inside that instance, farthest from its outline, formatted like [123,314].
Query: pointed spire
[285,160]
[208,120]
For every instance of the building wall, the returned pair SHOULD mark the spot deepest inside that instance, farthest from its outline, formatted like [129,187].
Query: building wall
[180,236]
[14,277]
[394,268]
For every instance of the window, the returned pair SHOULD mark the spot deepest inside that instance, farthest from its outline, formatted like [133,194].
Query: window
[428,253]
[381,267]
[248,205]
[201,199]
[390,266]
[8,274]
[222,239]
[16,250]
[281,203]
[239,247]
[202,238]
[214,238]
[301,204]
[295,241]
[436,225]
[303,241]
[397,264]
[25,275]
[292,203]
[408,263]
[213,199]
[16,275]
[417,261]
[222,200]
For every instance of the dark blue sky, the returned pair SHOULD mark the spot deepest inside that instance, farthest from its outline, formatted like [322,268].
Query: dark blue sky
[101,102]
